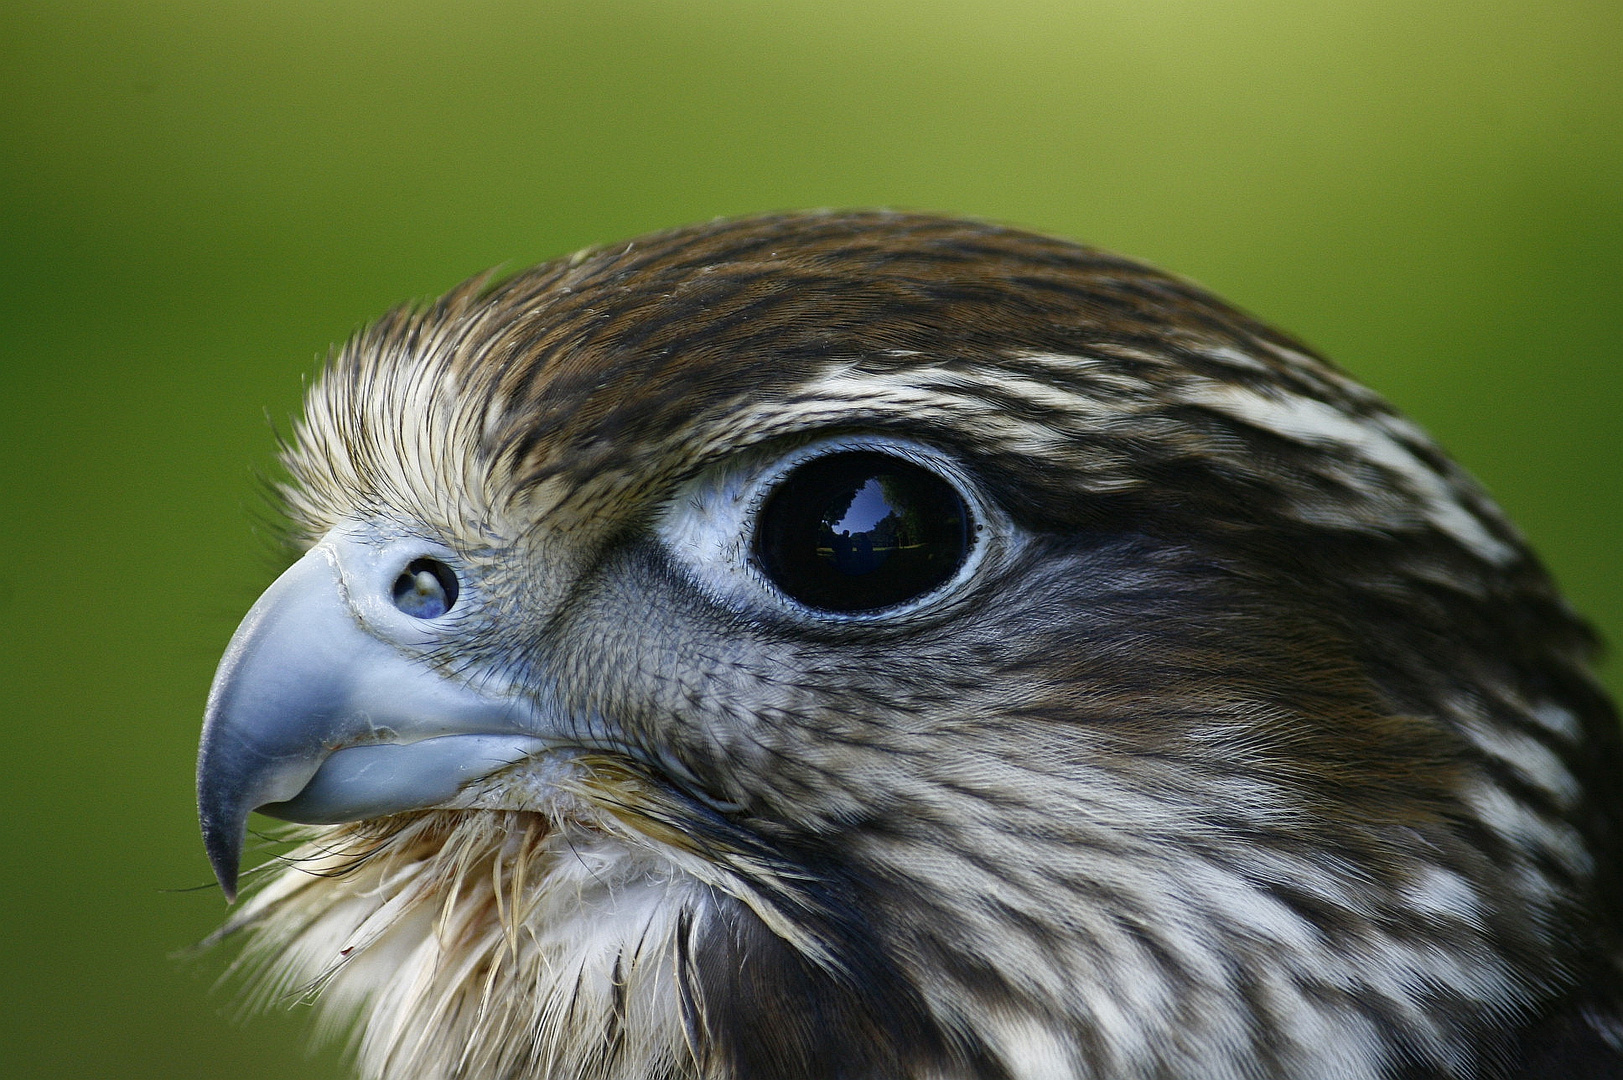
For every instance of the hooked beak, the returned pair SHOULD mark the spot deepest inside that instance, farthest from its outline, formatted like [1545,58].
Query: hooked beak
[325,707]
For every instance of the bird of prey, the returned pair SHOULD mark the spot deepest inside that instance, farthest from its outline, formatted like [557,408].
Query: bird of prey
[877,646]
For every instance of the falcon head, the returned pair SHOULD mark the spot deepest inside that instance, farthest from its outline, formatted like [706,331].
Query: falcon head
[869,645]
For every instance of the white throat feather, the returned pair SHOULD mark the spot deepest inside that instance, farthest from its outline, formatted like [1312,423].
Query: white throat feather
[480,944]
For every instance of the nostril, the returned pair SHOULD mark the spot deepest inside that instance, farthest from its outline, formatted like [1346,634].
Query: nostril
[425,589]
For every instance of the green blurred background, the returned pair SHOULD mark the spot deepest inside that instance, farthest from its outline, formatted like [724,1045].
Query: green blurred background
[197,197]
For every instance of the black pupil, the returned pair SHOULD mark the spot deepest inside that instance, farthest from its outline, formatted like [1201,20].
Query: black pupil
[861,530]
[425,589]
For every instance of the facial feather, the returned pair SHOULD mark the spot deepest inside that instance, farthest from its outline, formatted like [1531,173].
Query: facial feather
[1252,742]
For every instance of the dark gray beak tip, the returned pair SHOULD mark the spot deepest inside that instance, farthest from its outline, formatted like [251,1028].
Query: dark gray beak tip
[224,829]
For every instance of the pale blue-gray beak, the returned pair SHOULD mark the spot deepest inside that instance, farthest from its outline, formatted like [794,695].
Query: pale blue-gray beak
[327,706]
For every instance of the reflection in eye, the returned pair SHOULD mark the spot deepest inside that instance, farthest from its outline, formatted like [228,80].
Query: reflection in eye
[860,531]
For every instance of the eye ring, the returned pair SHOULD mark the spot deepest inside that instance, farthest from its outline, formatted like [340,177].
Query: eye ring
[861,531]
[708,529]
[426,589]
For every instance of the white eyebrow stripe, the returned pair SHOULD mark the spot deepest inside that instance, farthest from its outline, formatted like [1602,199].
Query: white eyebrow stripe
[1379,440]
[1559,721]
[1314,423]
[1529,759]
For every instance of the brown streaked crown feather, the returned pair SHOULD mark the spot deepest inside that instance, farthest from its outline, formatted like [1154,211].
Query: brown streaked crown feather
[1267,750]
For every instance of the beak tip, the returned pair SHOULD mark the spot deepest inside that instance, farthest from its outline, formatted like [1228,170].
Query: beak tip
[225,871]
[223,835]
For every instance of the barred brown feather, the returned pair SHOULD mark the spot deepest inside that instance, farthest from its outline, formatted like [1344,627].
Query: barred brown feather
[1256,744]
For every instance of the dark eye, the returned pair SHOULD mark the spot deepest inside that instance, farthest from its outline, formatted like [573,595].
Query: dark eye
[861,530]
[425,589]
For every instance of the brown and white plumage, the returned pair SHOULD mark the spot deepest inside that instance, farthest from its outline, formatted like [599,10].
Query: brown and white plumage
[1247,739]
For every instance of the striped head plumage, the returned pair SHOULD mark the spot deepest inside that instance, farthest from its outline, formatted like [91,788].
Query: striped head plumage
[871,645]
